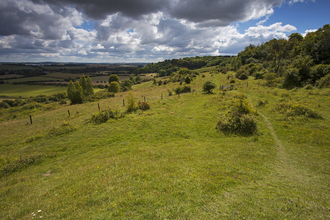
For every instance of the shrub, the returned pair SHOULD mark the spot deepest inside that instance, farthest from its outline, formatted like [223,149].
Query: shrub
[292,109]
[131,103]
[143,106]
[187,80]
[4,105]
[126,85]
[236,123]
[185,89]
[262,103]
[20,164]
[291,78]
[308,87]
[65,128]
[324,82]
[208,86]
[104,115]
[114,87]
[241,105]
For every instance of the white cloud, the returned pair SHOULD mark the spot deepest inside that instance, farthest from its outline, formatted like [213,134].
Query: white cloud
[308,31]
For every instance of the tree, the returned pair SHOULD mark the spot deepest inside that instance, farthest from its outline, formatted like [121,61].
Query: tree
[126,85]
[187,80]
[132,79]
[138,80]
[90,89]
[162,73]
[113,78]
[70,90]
[114,87]
[208,86]
[83,84]
[154,82]
[75,93]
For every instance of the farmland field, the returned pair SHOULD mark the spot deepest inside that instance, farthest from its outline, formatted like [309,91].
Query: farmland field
[29,90]
[9,76]
[36,78]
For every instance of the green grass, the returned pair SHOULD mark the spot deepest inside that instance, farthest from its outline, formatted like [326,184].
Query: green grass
[29,90]
[169,162]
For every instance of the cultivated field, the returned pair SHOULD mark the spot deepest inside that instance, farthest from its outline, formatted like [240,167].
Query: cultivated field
[29,90]
[170,162]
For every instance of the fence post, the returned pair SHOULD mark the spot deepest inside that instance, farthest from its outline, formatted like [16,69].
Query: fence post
[123,102]
[31,119]
[69,112]
[144,99]
[162,96]
[98,104]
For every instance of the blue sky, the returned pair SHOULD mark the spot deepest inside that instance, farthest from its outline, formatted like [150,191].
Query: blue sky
[147,31]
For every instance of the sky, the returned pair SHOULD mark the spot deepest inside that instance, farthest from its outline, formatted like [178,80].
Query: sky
[126,31]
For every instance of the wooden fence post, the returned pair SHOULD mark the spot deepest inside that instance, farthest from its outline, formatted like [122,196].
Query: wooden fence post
[98,104]
[31,119]
[123,102]
[69,112]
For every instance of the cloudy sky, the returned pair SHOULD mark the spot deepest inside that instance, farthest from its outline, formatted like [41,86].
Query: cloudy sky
[147,30]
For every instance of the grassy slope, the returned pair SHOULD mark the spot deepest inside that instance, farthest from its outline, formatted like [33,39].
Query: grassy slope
[169,162]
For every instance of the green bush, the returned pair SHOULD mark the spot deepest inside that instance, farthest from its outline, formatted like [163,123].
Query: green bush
[20,164]
[144,106]
[131,103]
[241,105]
[104,115]
[64,128]
[208,87]
[291,109]
[236,123]
[114,87]
[324,82]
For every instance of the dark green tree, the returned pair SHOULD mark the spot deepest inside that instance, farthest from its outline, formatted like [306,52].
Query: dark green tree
[90,89]
[208,86]
[113,78]
[114,87]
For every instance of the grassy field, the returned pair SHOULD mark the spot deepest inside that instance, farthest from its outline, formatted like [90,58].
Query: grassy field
[29,90]
[170,162]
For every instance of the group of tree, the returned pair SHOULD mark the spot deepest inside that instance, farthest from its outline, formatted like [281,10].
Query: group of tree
[167,67]
[115,85]
[296,61]
[77,91]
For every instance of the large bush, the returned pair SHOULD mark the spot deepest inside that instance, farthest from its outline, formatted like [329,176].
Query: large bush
[131,103]
[291,109]
[114,87]
[208,87]
[236,123]
[64,128]
[104,115]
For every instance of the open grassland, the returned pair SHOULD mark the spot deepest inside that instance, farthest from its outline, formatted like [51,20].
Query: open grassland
[170,162]
[29,90]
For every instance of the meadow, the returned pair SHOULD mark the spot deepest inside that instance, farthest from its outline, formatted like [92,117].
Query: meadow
[26,91]
[170,162]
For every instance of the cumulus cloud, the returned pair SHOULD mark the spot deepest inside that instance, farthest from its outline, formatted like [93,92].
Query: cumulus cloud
[130,30]
[308,31]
